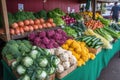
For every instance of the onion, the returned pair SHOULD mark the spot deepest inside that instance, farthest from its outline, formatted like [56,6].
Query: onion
[26,28]
[42,20]
[17,31]
[31,22]
[35,27]
[20,23]
[12,31]
[50,20]
[53,24]
[48,25]
[31,28]
[21,30]
[14,25]
[37,21]
[44,25]
[26,22]
[40,26]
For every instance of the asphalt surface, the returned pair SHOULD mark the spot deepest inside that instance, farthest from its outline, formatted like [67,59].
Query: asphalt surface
[112,71]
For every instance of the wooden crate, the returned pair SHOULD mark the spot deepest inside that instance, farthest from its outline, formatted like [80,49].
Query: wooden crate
[9,62]
[52,77]
[94,51]
[66,72]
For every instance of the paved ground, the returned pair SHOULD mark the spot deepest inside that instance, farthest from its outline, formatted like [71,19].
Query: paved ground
[112,71]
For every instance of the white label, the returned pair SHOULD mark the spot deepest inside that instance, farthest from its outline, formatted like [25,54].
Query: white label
[20,7]
[68,9]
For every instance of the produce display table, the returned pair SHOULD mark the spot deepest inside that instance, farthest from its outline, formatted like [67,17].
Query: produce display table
[90,71]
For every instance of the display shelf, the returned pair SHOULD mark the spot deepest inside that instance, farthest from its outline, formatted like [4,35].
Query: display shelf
[27,33]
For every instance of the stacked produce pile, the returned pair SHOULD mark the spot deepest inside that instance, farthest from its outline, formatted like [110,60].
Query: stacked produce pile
[93,24]
[66,58]
[68,20]
[49,38]
[70,31]
[91,41]
[79,50]
[88,15]
[31,62]
[30,25]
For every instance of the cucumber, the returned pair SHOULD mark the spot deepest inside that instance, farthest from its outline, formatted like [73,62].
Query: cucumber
[89,43]
[88,40]
[96,47]
[96,41]
[99,43]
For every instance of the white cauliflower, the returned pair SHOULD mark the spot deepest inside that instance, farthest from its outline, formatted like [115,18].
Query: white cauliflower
[66,65]
[69,53]
[59,51]
[72,60]
[52,51]
[64,57]
[60,68]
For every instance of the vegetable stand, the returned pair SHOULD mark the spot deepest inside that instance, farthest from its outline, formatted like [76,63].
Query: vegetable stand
[81,73]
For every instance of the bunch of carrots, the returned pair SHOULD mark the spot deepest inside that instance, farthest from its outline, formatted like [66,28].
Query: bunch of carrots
[30,25]
[93,24]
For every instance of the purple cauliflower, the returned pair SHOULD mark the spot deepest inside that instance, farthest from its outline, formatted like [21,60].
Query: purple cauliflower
[57,36]
[45,40]
[56,45]
[37,40]
[31,36]
[42,45]
[50,46]
[50,33]
[42,34]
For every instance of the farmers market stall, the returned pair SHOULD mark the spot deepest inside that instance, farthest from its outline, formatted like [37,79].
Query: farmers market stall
[90,71]
[58,45]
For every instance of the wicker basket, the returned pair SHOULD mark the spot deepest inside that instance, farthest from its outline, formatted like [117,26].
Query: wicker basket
[9,62]
[66,72]
[94,51]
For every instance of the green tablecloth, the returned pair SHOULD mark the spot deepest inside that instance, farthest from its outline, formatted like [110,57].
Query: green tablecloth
[90,71]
